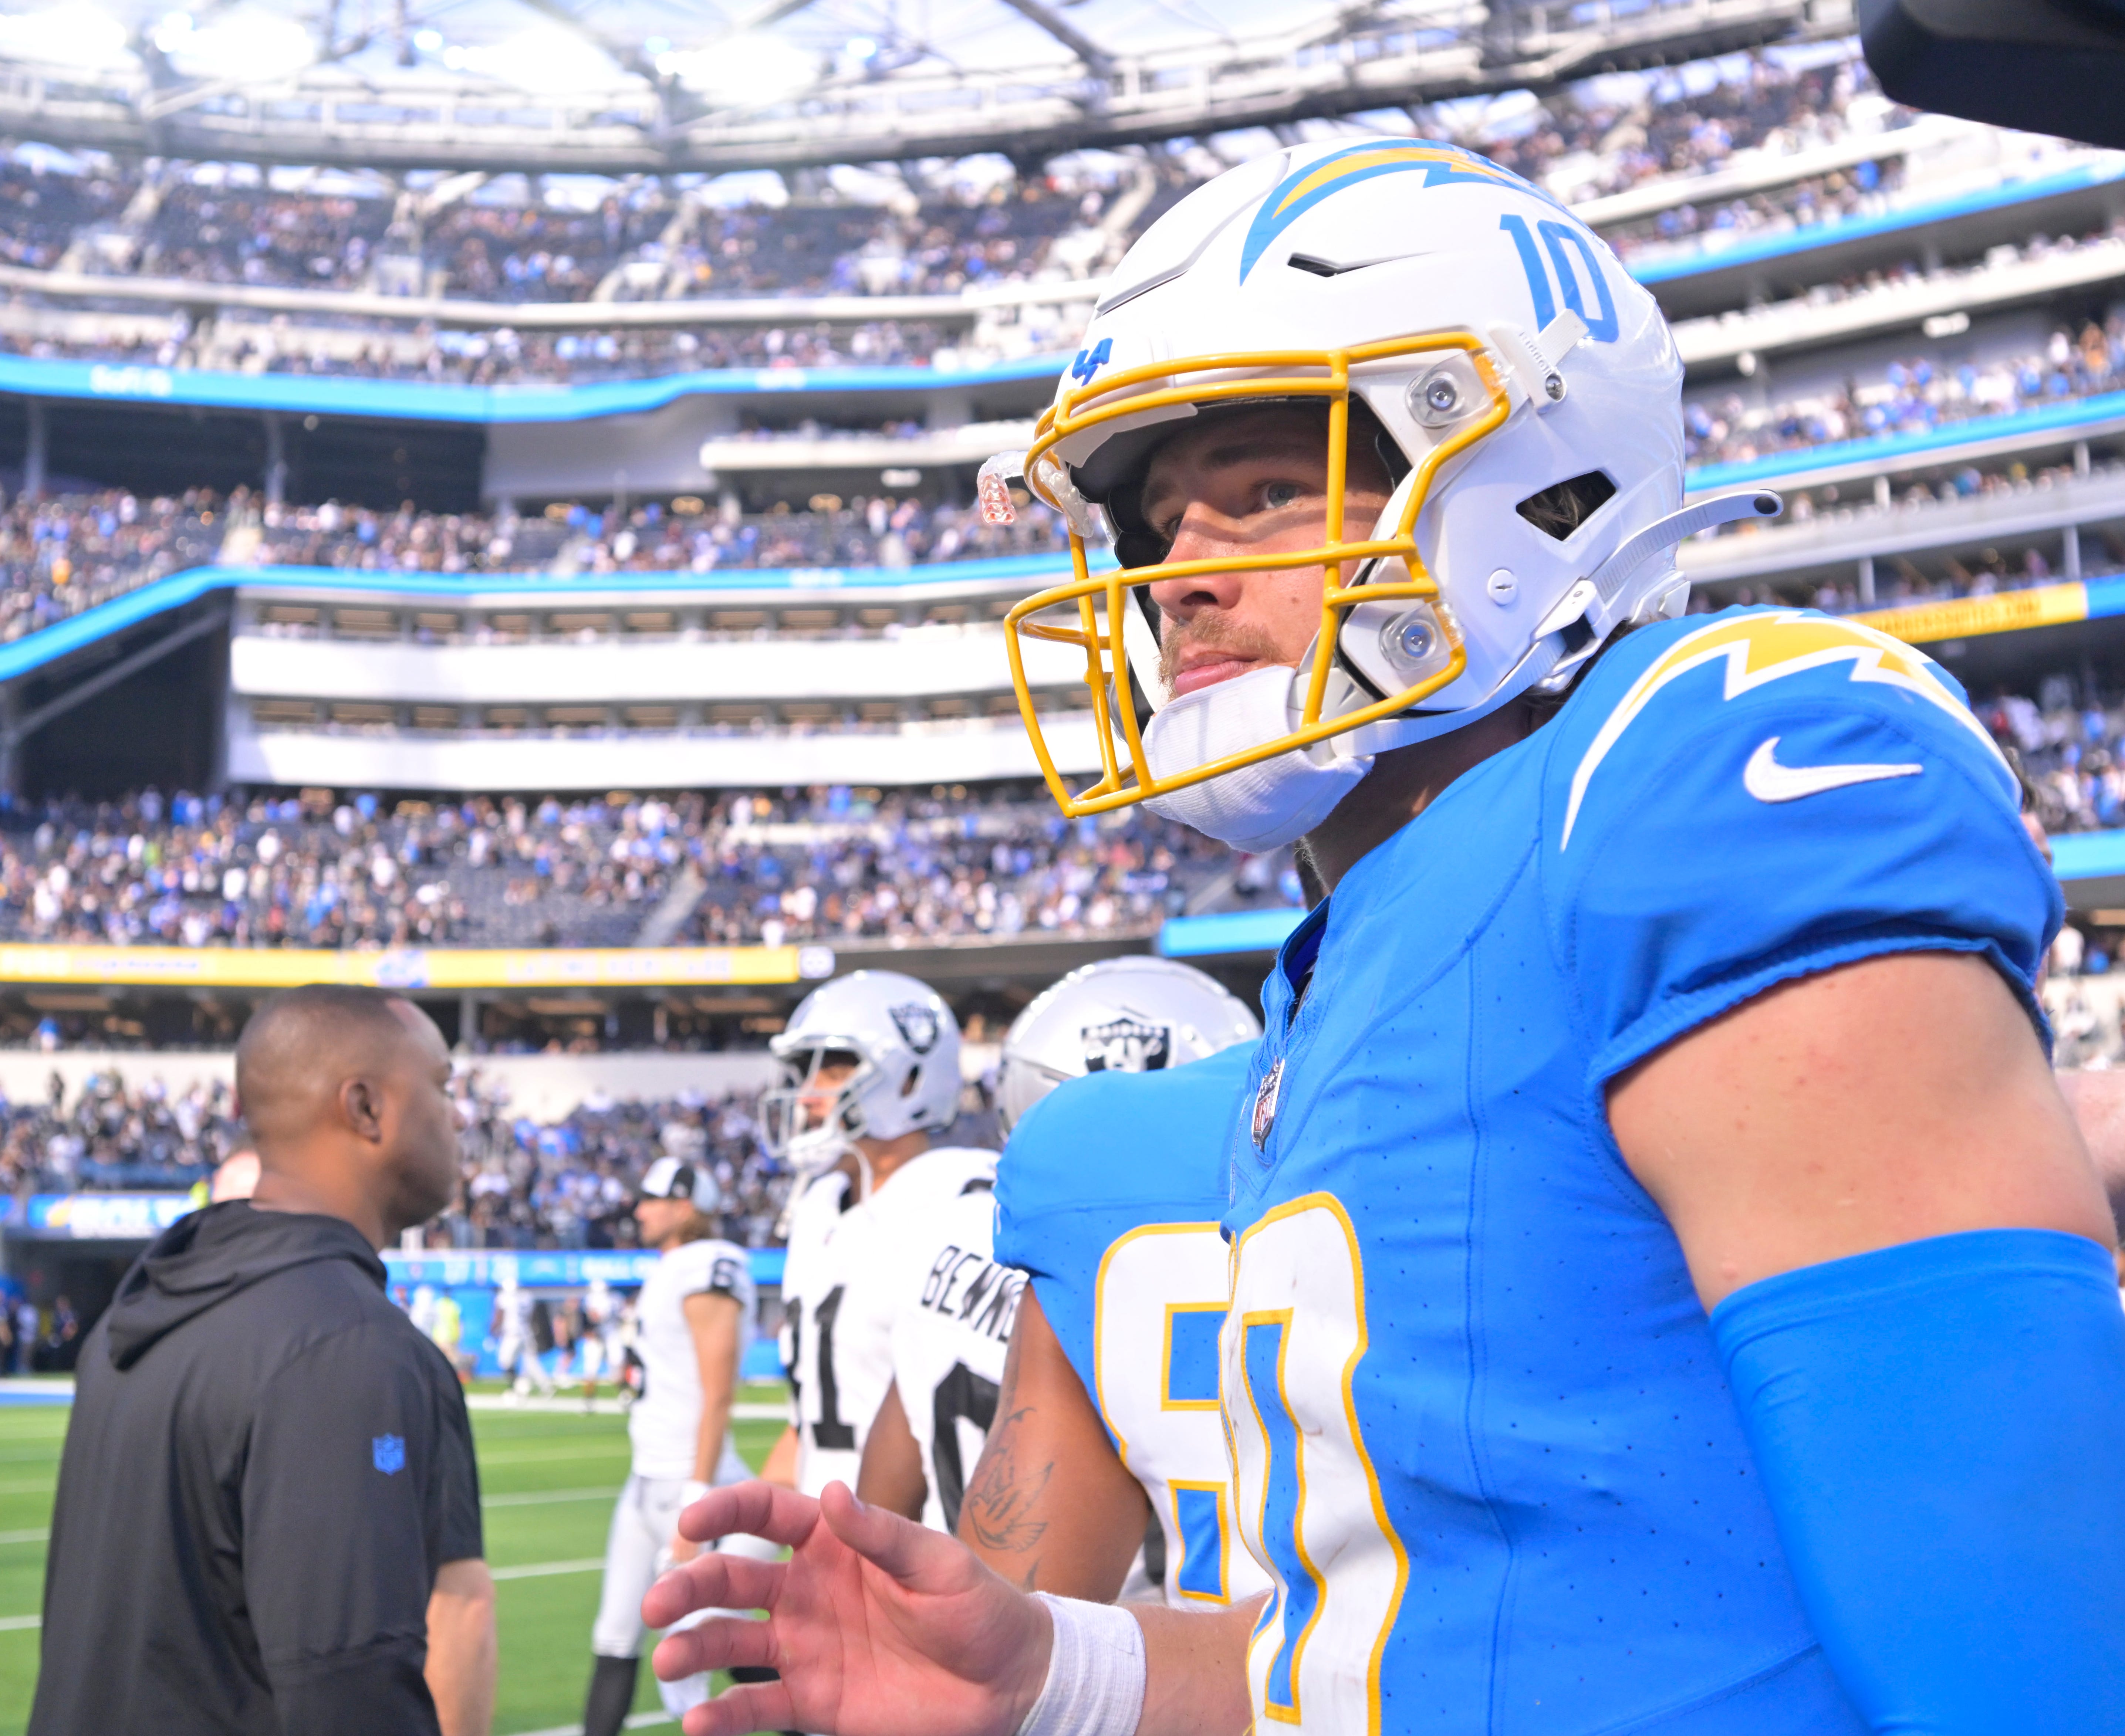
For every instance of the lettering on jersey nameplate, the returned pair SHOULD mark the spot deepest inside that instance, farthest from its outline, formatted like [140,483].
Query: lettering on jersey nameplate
[1758,649]
[970,1287]
[1266,1096]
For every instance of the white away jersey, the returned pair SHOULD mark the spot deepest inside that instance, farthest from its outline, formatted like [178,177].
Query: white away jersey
[846,1266]
[664,1423]
[951,1328]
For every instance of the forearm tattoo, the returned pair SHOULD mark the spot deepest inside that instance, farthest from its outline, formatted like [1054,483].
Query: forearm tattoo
[1001,1502]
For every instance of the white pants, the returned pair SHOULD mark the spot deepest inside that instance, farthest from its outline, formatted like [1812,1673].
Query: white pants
[639,1548]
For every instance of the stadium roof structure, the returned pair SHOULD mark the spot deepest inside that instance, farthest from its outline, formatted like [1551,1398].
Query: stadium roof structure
[624,87]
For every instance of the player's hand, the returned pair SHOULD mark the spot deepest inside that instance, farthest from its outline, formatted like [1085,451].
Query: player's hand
[876,1626]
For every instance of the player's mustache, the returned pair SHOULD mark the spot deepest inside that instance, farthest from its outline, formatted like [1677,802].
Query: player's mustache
[1219,631]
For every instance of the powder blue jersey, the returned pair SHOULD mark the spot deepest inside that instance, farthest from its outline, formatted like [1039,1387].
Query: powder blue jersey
[1109,1193]
[1479,1428]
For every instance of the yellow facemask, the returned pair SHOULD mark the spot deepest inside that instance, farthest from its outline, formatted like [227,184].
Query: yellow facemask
[1101,608]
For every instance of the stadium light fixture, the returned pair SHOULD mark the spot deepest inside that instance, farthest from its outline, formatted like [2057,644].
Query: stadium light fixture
[72,34]
[749,69]
[428,41]
[243,45]
[547,59]
[171,31]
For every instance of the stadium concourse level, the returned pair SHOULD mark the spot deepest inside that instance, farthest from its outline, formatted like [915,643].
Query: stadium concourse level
[831,864]
[503,241]
[505,355]
[63,553]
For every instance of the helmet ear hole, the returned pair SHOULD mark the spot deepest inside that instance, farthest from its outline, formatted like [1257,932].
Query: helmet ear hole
[1559,510]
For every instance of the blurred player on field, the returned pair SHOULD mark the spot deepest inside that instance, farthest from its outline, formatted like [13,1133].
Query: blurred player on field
[873,1065]
[695,1311]
[592,1346]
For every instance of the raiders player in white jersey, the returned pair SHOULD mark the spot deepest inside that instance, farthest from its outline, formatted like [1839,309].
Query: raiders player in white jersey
[694,1317]
[952,1307]
[873,1063]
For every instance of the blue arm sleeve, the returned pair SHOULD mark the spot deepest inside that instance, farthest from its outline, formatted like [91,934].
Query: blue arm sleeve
[1940,1428]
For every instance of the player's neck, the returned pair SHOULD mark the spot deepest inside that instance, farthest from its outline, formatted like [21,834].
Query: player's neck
[291,1189]
[1403,783]
[884,1158]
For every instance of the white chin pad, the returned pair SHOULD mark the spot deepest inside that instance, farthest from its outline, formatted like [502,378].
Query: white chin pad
[1257,807]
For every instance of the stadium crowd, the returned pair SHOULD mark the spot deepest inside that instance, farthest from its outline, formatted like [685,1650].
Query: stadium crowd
[1913,396]
[504,243]
[64,554]
[114,1133]
[829,863]
[1585,142]
[569,1183]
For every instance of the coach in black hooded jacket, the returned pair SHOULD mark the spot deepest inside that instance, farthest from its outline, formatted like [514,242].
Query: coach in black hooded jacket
[267,1465]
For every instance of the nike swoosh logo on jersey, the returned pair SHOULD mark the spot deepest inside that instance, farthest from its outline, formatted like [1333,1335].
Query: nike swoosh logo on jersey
[1768,781]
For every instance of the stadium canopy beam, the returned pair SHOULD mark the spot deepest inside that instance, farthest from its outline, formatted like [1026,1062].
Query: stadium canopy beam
[1030,112]
[1098,62]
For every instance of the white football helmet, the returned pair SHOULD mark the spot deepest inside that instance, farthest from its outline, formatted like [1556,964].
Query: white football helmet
[902,1045]
[1120,1015]
[1520,390]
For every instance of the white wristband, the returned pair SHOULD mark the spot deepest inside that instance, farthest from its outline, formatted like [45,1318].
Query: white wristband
[1096,1673]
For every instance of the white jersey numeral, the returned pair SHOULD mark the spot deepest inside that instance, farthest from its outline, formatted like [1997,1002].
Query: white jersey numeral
[1164,1284]
[1306,1491]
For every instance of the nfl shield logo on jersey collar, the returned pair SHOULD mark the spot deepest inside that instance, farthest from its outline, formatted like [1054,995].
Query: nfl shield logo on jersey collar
[1265,1095]
[388,1454]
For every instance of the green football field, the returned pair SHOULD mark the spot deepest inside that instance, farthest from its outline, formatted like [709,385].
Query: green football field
[548,1480]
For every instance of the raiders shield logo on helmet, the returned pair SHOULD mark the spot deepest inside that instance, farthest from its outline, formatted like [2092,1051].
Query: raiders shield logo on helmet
[918,1026]
[1127,1046]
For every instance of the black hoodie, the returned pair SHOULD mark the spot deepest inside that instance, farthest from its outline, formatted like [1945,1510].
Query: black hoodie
[266,1465]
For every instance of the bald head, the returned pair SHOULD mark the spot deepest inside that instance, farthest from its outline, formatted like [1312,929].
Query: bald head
[301,1042]
[346,1093]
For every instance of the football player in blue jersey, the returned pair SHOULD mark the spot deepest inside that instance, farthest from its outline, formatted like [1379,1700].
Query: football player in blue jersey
[1669,1291]
[1107,1415]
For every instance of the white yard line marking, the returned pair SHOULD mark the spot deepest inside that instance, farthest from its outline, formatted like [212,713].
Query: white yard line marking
[561,1405]
[545,1497]
[20,1624]
[604,1450]
[542,1569]
[25,1537]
